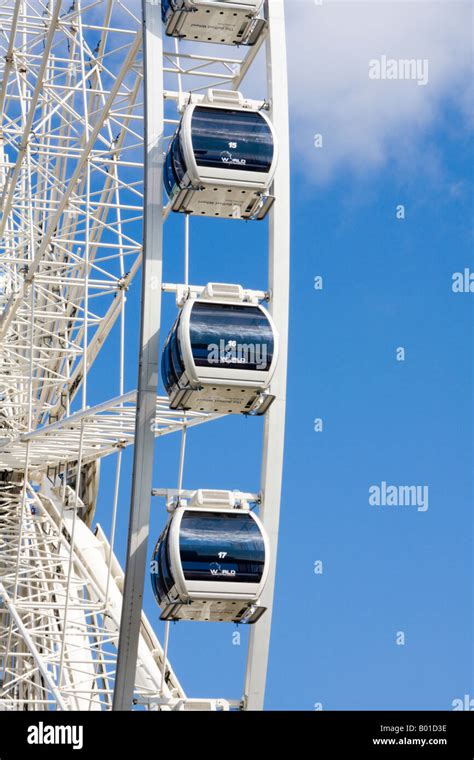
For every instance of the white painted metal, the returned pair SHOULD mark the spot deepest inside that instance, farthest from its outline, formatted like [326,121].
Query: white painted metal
[139,524]
[278,281]
[71,208]
[37,606]
[218,20]
[106,429]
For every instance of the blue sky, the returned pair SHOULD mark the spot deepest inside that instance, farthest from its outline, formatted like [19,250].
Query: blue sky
[387,284]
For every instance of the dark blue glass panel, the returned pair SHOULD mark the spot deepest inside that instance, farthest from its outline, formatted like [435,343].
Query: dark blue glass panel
[162,581]
[174,169]
[167,372]
[224,138]
[231,336]
[156,578]
[221,547]
[165,6]
[172,366]
[169,179]
[176,356]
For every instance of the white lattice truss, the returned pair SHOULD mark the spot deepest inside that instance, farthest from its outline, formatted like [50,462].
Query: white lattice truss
[71,203]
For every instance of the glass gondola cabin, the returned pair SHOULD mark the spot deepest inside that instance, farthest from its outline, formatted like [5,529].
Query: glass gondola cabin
[217,21]
[221,354]
[221,161]
[210,564]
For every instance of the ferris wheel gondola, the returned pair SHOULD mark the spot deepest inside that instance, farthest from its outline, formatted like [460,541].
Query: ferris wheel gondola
[222,159]
[221,354]
[211,561]
[219,21]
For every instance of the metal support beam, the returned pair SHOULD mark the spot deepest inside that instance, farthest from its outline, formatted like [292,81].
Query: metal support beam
[10,186]
[9,56]
[17,298]
[40,663]
[279,277]
[148,359]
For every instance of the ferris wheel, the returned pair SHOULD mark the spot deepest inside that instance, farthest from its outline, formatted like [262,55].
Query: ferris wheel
[116,117]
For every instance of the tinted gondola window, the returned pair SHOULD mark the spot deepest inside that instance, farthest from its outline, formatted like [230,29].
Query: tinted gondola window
[169,379]
[165,569]
[165,6]
[230,139]
[171,361]
[179,165]
[169,179]
[231,336]
[174,168]
[172,365]
[221,547]
[161,579]
[157,577]
[176,355]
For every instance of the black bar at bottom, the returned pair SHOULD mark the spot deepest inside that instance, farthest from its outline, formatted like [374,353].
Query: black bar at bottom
[300,734]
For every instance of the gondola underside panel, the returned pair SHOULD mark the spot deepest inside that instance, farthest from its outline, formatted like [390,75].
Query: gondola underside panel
[216,611]
[200,22]
[221,399]
[224,202]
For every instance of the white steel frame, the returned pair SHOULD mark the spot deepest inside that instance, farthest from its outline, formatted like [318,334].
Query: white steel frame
[72,197]
[279,286]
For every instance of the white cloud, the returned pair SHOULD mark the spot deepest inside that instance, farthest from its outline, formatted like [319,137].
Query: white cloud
[364,122]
